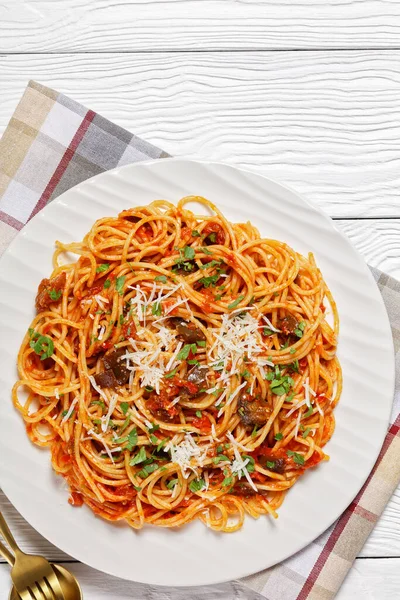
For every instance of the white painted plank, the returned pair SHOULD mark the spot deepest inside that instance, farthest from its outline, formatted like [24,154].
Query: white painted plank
[82,25]
[326,123]
[369,579]
[378,240]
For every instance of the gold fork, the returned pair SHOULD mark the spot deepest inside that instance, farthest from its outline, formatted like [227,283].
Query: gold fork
[33,576]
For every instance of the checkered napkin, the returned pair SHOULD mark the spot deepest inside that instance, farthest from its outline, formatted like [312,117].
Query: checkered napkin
[51,144]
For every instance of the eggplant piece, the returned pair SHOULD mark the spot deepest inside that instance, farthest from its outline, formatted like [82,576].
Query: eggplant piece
[279,464]
[47,287]
[188,332]
[115,372]
[106,379]
[253,411]
[113,361]
[198,375]
[288,324]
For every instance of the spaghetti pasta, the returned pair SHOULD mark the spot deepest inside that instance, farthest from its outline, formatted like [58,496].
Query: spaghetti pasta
[183,367]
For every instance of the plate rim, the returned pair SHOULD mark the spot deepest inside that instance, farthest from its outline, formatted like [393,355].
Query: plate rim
[329,221]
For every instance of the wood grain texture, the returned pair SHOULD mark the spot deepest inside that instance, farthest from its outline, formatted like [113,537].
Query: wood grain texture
[326,123]
[378,240]
[369,579]
[112,25]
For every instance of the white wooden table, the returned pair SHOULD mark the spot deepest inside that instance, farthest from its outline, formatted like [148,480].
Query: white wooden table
[305,91]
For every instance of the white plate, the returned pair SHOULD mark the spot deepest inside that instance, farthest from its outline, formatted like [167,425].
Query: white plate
[195,555]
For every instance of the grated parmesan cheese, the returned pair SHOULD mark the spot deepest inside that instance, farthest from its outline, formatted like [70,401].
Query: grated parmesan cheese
[69,412]
[188,455]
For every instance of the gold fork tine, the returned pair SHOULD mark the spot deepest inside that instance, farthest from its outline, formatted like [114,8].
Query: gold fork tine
[36,592]
[47,590]
[27,595]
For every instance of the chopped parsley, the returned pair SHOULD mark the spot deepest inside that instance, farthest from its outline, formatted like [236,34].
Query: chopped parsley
[65,412]
[306,432]
[139,457]
[227,481]
[254,432]
[220,458]
[212,237]
[195,233]
[55,294]
[278,436]
[154,439]
[99,403]
[206,251]
[270,464]
[309,412]
[186,255]
[172,483]
[147,470]
[196,485]
[119,284]
[199,414]
[153,427]
[132,439]
[235,302]
[102,268]
[246,374]
[41,344]
[125,424]
[187,348]
[161,278]
[279,384]
[212,263]
[250,465]
[292,350]
[300,329]
[189,252]
[107,284]
[201,343]
[171,374]
[209,281]
[267,331]
[294,366]
[297,458]
[162,444]
[156,309]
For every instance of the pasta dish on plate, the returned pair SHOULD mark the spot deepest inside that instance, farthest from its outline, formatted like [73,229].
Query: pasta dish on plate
[181,368]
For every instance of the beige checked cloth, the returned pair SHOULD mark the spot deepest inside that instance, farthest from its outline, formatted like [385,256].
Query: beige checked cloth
[51,144]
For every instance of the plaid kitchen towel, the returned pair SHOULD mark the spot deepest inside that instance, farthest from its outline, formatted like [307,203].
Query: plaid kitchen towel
[53,143]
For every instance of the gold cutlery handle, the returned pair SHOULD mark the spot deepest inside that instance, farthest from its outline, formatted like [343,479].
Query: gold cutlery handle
[7,535]
[5,553]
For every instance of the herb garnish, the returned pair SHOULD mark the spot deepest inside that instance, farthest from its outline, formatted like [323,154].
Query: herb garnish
[297,458]
[196,485]
[41,344]
[119,284]
[187,348]
[55,294]
[156,309]
[235,302]
[300,329]
[102,268]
